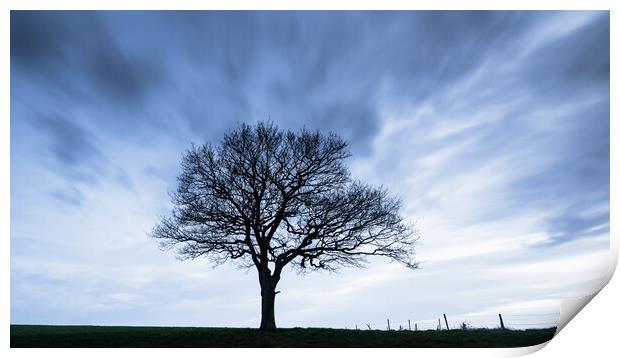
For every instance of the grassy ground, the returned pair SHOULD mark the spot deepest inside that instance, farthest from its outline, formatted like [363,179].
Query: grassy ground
[104,336]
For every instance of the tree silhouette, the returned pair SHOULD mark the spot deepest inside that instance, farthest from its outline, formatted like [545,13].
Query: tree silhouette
[269,198]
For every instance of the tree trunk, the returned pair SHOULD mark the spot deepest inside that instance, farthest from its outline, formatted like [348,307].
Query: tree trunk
[268,294]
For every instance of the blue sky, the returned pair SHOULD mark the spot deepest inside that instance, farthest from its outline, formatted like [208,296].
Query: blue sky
[493,127]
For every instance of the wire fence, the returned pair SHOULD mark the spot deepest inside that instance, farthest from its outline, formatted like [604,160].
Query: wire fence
[467,321]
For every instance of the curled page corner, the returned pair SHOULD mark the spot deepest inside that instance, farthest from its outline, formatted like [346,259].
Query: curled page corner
[572,306]
[569,308]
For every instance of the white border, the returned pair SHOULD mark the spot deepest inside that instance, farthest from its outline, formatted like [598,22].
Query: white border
[594,327]
[314,5]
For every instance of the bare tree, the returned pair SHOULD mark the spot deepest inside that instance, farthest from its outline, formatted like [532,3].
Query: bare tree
[269,198]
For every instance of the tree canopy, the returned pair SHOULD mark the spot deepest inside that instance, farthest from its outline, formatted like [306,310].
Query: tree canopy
[269,198]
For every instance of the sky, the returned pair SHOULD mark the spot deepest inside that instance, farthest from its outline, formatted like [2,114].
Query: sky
[492,127]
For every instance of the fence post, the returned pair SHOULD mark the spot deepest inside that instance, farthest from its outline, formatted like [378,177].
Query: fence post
[356,327]
[368,324]
[388,320]
[446,319]
[416,326]
[501,321]
[439,324]
[409,321]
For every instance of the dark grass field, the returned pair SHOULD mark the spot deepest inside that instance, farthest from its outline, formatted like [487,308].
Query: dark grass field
[108,336]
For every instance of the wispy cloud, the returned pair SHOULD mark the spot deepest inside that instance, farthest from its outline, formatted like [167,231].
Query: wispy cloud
[493,127]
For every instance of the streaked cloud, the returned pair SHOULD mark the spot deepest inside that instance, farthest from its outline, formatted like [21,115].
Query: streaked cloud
[492,126]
